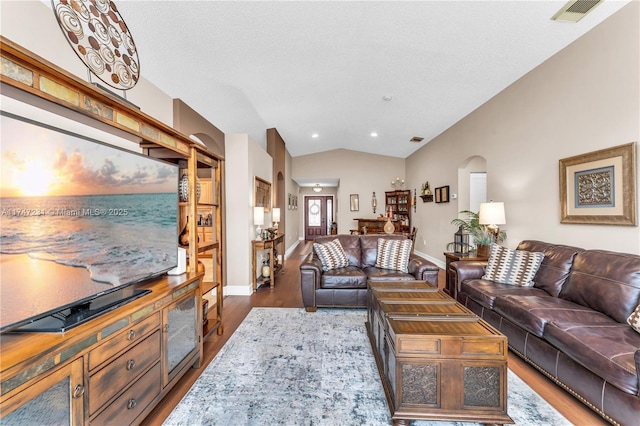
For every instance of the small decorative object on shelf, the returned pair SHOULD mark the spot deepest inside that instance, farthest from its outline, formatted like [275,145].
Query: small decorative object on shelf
[266,270]
[389,227]
[183,188]
[425,193]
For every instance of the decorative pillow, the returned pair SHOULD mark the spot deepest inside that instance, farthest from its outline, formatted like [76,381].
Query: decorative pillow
[393,254]
[514,267]
[634,319]
[331,255]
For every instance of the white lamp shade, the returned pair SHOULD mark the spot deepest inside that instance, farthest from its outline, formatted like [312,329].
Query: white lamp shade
[492,214]
[258,215]
[276,214]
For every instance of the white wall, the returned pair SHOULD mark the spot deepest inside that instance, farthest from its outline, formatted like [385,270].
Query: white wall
[245,160]
[585,98]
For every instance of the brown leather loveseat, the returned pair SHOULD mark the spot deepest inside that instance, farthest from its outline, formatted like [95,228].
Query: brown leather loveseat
[346,287]
[571,324]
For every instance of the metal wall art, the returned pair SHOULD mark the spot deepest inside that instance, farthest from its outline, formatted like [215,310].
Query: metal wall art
[599,187]
[98,35]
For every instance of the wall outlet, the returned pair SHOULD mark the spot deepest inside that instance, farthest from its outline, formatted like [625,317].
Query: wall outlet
[424,242]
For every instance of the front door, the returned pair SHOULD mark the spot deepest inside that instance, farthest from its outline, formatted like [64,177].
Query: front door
[316,216]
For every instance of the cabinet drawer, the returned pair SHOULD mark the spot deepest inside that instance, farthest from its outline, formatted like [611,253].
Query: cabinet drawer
[117,375]
[128,337]
[125,409]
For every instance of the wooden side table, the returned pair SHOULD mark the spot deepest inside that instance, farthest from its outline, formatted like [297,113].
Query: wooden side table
[274,267]
[450,285]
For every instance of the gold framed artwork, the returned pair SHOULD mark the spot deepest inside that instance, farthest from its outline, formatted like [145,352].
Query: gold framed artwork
[599,187]
[262,194]
[354,202]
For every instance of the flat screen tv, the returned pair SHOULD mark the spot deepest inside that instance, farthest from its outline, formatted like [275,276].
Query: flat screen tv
[80,222]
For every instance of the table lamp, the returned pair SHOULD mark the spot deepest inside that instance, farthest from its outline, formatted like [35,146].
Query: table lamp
[275,217]
[492,215]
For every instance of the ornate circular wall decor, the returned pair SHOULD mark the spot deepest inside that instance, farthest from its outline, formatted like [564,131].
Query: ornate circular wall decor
[97,33]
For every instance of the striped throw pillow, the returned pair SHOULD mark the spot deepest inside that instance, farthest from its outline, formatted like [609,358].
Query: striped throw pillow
[634,319]
[514,267]
[393,254]
[331,255]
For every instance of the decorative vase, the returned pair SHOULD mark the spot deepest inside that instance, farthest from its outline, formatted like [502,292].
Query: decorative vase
[183,188]
[183,239]
[389,228]
[266,271]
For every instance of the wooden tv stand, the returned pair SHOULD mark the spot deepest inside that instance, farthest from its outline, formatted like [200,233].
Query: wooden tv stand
[113,369]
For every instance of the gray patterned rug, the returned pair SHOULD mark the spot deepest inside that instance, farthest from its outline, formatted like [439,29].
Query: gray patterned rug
[285,366]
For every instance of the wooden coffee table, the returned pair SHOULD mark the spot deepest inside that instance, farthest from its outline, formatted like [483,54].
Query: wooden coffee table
[437,359]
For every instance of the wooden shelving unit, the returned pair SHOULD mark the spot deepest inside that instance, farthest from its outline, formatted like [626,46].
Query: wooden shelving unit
[400,203]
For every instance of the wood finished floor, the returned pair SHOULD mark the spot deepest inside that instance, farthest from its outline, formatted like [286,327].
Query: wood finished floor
[287,294]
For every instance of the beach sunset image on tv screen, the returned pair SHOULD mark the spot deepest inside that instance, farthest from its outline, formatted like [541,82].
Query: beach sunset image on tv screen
[78,218]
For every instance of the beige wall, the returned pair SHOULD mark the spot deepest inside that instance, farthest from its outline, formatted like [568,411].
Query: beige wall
[33,25]
[585,98]
[249,161]
[359,173]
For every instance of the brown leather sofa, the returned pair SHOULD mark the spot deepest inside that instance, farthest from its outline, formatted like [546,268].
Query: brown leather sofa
[571,325]
[347,287]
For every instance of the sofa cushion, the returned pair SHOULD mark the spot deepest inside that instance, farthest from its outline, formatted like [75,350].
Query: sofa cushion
[634,319]
[393,254]
[369,245]
[349,277]
[485,292]
[378,274]
[606,281]
[555,266]
[605,349]
[533,313]
[350,245]
[331,255]
[515,267]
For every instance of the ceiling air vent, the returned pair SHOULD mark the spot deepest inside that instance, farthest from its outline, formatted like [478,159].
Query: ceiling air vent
[575,10]
[416,139]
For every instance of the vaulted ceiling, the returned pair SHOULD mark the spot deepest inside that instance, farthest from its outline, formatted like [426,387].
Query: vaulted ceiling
[343,70]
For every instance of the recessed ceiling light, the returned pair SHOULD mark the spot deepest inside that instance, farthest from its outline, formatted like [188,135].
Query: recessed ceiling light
[315,135]
[374,134]
[387,98]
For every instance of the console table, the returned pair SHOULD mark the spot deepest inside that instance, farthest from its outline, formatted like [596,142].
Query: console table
[272,246]
[437,359]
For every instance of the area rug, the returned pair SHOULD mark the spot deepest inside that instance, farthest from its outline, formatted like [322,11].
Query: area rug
[285,366]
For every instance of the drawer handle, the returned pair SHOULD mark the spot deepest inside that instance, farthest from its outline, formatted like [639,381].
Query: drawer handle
[130,364]
[78,391]
[132,335]
[131,404]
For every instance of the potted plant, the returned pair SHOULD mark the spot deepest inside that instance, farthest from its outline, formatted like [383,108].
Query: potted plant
[482,235]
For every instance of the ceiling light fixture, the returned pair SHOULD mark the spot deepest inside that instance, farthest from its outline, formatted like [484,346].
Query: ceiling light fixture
[387,98]
[315,135]
[317,188]
[374,134]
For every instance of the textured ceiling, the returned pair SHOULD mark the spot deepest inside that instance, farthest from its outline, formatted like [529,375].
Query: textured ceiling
[308,67]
